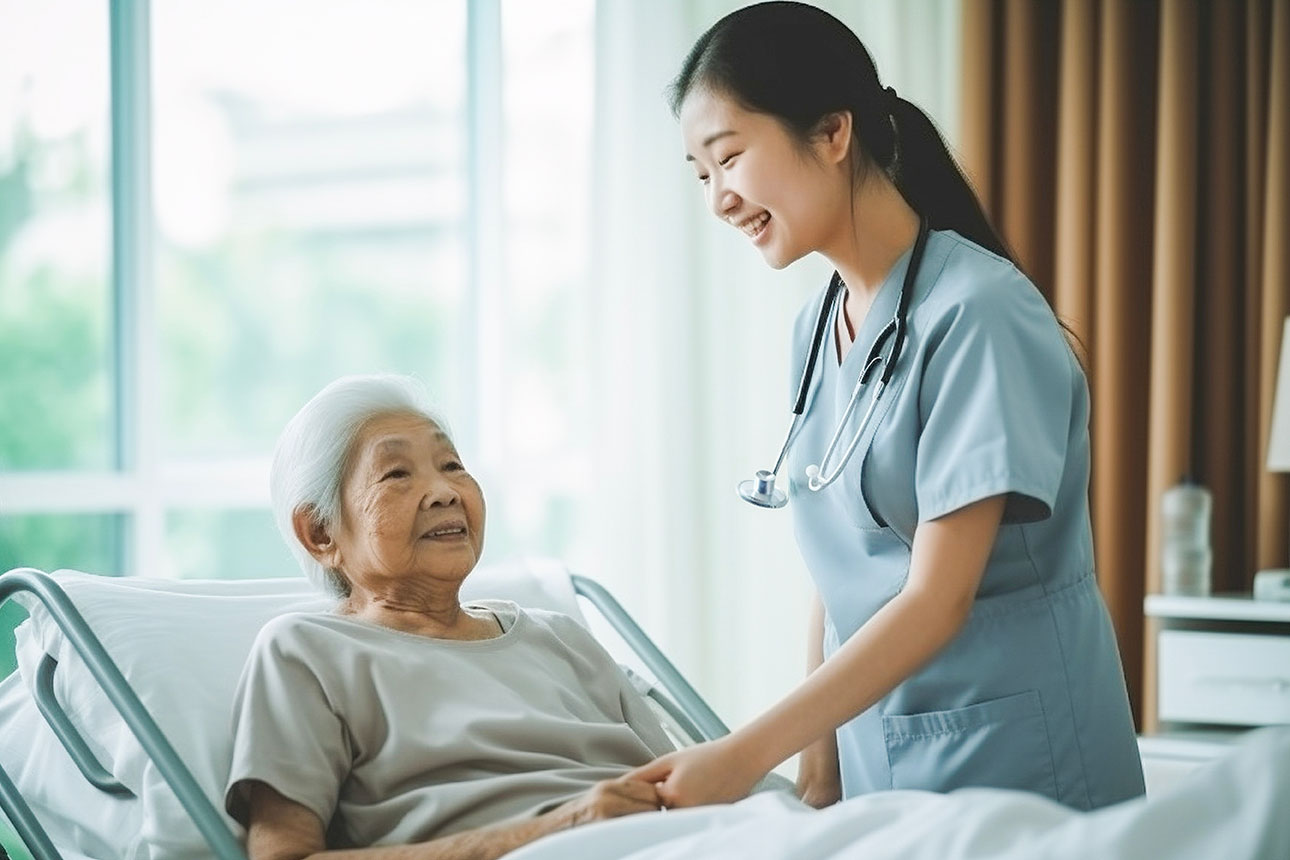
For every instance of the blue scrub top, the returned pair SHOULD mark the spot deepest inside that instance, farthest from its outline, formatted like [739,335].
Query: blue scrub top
[986,399]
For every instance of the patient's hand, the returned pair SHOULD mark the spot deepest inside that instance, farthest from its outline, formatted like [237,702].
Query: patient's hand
[712,772]
[610,798]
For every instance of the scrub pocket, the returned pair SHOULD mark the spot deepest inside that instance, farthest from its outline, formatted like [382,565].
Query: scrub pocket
[1002,743]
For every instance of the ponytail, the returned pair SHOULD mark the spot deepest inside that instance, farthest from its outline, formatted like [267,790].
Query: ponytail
[930,180]
[800,64]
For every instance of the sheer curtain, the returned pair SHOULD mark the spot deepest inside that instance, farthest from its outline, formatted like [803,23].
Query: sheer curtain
[688,336]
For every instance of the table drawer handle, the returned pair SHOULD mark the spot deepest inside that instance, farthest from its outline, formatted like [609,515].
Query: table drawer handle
[1278,685]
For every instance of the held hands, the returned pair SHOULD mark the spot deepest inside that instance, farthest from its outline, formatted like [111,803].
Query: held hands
[712,772]
[610,798]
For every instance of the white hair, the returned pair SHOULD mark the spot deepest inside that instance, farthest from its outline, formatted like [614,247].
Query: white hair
[314,450]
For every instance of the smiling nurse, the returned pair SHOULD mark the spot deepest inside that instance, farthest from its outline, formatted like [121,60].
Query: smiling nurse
[958,637]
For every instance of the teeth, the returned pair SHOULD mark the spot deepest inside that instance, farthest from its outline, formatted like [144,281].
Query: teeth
[753,225]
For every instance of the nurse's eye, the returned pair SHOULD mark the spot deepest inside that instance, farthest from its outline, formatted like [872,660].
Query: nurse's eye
[725,162]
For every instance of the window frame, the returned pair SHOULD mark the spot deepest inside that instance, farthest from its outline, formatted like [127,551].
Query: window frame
[140,487]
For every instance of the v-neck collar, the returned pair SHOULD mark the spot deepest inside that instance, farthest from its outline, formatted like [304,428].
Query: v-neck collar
[878,315]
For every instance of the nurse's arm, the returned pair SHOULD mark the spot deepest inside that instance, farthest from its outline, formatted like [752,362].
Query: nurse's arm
[947,561]
[819,782]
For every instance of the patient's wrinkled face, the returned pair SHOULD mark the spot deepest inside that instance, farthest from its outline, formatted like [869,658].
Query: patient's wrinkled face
[409,508]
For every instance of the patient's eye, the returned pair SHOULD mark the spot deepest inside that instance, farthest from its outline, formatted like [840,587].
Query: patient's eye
[453,466]
[395,474]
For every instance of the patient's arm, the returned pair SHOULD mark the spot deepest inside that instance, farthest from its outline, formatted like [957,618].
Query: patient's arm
[281,829]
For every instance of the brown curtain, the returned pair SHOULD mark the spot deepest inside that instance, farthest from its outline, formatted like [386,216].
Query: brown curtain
[1134,155]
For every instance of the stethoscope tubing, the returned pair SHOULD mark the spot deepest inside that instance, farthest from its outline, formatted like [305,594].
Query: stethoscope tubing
[817,478]
[761,491]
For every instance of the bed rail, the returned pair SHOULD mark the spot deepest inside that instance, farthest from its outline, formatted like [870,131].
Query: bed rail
[221,840]
[686,706]
[699,714]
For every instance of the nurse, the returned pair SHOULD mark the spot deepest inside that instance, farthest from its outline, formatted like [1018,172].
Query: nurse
[958,637]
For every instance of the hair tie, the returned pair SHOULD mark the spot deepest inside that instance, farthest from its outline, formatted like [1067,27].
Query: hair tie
[892,98]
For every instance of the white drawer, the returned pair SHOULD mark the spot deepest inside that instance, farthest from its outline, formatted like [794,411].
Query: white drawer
[1230,678]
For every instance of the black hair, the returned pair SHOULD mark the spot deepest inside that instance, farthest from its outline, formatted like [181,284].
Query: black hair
[799,64]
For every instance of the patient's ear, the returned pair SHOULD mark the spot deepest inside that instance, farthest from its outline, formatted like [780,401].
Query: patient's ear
[315,537]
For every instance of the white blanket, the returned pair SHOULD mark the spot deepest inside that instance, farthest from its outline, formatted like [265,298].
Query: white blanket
[1237,809]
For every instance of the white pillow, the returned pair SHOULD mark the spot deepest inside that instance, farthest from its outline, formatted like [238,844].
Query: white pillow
[73,812]
[181,646]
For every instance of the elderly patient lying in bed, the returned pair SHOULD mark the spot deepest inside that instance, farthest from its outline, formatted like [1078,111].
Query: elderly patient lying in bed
[404,716]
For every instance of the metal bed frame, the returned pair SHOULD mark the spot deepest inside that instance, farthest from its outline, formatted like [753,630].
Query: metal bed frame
[685,706]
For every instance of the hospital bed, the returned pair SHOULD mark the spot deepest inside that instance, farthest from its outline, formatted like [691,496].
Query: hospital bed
[115,730]
[136,678]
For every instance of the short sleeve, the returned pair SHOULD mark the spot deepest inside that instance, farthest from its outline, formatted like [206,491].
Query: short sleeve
[995,403]
[285,732]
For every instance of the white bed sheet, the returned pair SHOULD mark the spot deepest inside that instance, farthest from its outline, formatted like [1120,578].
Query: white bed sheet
[1235,809]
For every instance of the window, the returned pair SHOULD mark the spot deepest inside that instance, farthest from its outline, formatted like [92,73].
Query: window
[267,196]
[57,405]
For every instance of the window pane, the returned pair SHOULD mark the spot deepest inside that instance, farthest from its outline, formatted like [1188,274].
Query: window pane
[311,207]
[548,97]
[55,345]
[240,543]
[88,542]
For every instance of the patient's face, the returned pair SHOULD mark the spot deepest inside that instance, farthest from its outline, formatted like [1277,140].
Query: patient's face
[410,512]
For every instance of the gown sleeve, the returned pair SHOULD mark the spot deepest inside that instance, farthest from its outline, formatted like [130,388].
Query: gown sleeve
[995,403]
[285,731]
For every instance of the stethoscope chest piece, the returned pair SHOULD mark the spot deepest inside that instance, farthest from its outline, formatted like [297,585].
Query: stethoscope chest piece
[761,491]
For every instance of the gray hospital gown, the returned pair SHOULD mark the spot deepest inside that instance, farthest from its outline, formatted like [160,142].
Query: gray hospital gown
[394,738]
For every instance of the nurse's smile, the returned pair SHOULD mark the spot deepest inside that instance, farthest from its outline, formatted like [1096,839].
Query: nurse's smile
[755,227]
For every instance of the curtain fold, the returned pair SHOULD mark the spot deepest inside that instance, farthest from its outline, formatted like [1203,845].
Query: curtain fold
[1273,262]
[1141,148]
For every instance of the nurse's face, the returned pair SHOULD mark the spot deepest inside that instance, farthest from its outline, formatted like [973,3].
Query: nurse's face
[787,198]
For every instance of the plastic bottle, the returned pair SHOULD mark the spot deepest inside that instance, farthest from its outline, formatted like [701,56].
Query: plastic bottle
[1185,556]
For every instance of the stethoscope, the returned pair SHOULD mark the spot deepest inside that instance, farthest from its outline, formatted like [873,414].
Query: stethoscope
[760,490]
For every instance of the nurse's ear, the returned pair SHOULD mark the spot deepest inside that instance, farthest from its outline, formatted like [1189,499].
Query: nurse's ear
[832,137]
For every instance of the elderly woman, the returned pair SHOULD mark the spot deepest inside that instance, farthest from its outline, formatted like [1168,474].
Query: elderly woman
[405,718]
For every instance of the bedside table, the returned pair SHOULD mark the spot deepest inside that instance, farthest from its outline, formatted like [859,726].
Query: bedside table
[1222,668]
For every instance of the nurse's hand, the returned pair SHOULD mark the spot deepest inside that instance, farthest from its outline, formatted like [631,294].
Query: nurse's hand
[819,779]
[712,772]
